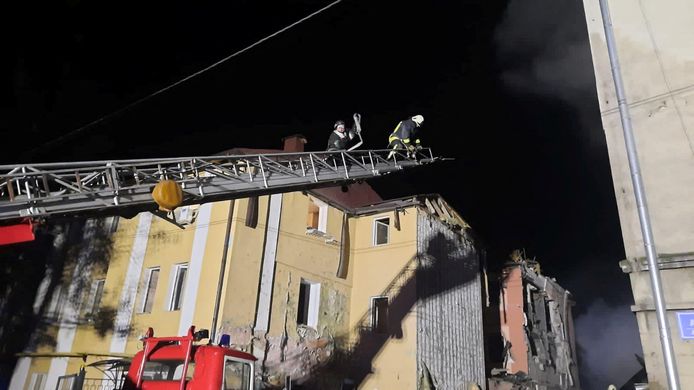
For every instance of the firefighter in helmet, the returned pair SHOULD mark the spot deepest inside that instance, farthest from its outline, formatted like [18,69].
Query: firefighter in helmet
[340,137]
[405,136]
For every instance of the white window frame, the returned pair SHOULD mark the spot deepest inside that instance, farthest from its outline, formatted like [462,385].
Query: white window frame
[227,358]
[172,286]
[41,376]
[55,307]
[322,214]
[313,308]
[372,306]
[145,291]
[376,222]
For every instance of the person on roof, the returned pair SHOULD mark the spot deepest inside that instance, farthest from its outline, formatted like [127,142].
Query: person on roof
[405,136]
[341,137]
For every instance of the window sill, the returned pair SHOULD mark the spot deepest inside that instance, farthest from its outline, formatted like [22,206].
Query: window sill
[330,240]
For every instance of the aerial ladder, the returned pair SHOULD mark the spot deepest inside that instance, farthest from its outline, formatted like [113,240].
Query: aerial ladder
[33,192]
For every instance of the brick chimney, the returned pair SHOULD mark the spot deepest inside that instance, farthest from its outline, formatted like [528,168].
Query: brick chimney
[294,143]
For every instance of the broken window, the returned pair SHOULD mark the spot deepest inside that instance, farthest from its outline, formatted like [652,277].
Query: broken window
[178,287]
[379,314]
[317,217]
[380,233]
[150,289]
[309,299]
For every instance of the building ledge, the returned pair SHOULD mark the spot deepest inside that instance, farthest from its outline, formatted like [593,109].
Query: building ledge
[669,306]
[665,261]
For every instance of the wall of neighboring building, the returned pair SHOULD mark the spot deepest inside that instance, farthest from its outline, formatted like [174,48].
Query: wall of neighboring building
[656,55]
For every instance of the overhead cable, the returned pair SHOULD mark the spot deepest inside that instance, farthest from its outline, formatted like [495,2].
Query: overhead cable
[162,90]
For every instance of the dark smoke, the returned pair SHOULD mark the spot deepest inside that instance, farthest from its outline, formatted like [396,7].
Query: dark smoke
[543,55]
[608,339]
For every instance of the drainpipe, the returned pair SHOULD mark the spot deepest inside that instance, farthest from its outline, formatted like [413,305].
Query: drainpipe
[639,193]
[220,282]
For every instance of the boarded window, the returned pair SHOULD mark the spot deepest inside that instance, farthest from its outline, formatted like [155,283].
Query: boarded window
[380,234]
[317,217]
[179,284]
[379,314]
[150,290]
[309,299]
[312,218]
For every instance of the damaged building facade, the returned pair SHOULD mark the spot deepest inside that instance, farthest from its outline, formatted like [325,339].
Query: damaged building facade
[329,288]
[537,330]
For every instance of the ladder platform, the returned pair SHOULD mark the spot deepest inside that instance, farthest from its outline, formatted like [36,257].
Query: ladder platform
[107,187]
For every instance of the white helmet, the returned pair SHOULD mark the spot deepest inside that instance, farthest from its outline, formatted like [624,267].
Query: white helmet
[418,119]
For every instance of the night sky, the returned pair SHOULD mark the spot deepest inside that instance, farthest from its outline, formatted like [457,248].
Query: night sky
[506,88]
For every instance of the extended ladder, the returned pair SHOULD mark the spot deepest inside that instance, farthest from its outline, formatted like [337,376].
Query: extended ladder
[109,187]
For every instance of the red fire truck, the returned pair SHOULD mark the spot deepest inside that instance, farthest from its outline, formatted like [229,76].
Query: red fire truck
[168,363]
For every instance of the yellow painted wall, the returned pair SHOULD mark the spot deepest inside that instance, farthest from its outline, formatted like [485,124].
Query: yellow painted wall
[167,246]
[244,262]
[375,267]
[301,256]
[212,260]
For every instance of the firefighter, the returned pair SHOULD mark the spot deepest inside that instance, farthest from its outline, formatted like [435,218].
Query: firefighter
[340,137]
[405,136]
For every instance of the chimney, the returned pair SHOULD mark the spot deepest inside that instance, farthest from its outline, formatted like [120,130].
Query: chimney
[294,143]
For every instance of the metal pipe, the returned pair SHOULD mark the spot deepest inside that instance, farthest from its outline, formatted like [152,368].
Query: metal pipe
[220,281]
[639,193]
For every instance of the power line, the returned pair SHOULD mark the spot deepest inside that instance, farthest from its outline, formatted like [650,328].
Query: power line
[162,90]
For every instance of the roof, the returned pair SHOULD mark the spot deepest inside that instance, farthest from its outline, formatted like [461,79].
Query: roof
[242,151]
[356,195]
[434,204]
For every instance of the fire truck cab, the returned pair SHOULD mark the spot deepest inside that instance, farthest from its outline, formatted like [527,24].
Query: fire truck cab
[168,363]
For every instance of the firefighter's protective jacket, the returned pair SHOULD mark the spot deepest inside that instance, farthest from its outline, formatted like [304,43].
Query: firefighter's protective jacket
[340,141]
[406,131]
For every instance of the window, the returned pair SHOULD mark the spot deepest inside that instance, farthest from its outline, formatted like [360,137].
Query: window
[97,293]
[38,381]
[57,303]
[111,224]
[309,299]
[237,375]
[150,289]
[379,314]
[65,382]
[178,286]
[317,215]
[381,231]
[166,370]
[252,212]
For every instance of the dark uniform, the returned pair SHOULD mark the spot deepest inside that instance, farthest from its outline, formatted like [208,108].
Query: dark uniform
[404,136]
[340,141]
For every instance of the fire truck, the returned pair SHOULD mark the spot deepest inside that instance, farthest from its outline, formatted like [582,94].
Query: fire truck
[178,363]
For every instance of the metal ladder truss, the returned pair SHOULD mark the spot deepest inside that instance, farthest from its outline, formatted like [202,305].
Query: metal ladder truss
[62,189]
